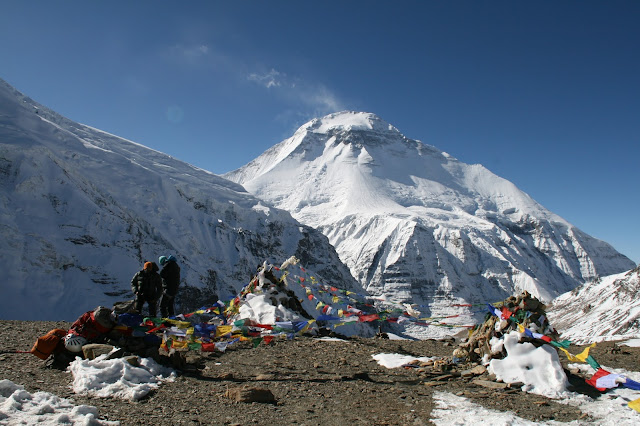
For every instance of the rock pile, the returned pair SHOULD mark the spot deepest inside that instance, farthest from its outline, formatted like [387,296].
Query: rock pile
[474,349]
[515,314]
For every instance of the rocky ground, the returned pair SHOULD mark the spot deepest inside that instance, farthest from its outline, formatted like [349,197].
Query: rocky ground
[313,382]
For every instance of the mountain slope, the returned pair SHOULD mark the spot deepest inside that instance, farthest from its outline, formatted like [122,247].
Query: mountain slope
[416,225]
[604,309]
[82,210]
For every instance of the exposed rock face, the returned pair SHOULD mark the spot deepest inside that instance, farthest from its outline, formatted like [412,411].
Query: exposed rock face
[415,225]
[82,210]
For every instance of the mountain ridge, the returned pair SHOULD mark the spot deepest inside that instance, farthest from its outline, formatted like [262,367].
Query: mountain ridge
[83,209]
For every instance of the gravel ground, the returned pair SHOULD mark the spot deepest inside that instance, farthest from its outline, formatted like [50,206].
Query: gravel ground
[314,382]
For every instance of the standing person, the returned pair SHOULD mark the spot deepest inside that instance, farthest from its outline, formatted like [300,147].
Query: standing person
[170,281]
[147,286]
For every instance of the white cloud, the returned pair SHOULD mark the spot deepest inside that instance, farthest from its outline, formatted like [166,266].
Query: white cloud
[191,52]
[322,99]
[194,54]
[313,98]
[268,80]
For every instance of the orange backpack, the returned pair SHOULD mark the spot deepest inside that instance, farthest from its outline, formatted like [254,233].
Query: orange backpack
[48,343]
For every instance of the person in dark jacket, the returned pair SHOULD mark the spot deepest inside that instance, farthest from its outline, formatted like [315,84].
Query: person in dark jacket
[170,281]
[147,286]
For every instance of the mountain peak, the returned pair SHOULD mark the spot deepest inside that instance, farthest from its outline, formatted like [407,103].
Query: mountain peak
[345,121]
[415,225]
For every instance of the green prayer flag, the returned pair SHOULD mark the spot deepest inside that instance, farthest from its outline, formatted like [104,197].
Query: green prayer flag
[561,344]
[593,363]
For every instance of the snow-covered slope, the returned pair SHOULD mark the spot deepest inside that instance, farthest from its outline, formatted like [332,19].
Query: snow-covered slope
[416,225]
[82,210]
[603,309]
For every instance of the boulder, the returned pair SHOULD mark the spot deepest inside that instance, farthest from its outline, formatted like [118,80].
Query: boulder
[250,394]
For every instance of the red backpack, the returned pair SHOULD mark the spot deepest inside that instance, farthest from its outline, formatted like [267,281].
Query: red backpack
[49,343]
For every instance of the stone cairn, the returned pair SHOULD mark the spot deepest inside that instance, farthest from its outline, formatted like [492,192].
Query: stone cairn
[523,309]
[473,351]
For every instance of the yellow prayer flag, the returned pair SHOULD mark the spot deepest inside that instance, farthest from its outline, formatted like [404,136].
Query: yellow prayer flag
[581,357]
[179,324]
[585,354]
[635,404]
[223,329]
[179,345]
[569,355]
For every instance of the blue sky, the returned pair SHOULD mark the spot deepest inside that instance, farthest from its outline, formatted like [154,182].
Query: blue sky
[545,94]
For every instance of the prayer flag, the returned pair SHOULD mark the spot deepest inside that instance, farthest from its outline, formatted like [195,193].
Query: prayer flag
[592,362]
[635,404]
[505,313]
[223,329]
[180,344]
[327,318]
[493,310]
[300,325]
[603,380]
[628,383]
[208,347]
[368,318]
[561,343]
[582,356]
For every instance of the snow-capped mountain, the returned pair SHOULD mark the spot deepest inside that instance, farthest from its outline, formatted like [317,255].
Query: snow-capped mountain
[604,309]
[415,225]
[83,209]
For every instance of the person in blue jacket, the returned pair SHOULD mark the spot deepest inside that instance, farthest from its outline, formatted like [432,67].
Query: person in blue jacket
[170,282]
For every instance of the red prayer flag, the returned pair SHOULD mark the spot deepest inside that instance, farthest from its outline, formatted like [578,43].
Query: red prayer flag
[593,380]
[368,318]
[208,347]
